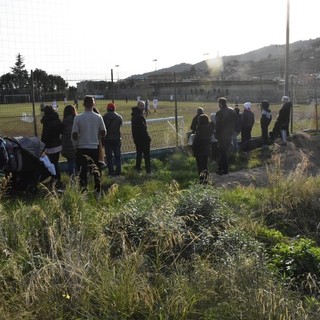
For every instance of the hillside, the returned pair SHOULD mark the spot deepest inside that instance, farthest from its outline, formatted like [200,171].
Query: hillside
[266,63]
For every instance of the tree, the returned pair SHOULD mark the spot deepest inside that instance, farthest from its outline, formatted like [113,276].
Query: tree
[72,92]
[6,83]
[20,77]
[41,80]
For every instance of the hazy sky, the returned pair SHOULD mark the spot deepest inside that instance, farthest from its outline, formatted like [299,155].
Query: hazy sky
[79,39]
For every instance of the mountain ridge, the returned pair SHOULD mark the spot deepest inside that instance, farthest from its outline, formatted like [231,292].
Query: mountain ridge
[267,62]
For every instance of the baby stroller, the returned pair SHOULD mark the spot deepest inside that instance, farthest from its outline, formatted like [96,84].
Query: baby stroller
[26,165]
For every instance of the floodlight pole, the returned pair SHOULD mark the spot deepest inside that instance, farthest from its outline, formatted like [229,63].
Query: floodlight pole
[316,100]
[112,94]
[286,74]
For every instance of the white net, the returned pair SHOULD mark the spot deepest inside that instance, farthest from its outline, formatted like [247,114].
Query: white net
[162,131]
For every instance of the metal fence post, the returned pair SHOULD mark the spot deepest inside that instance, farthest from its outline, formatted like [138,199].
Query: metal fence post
[33,106]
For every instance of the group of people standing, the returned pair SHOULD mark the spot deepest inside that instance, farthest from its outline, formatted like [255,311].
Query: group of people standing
[146,110]
[78,138]
[217,137]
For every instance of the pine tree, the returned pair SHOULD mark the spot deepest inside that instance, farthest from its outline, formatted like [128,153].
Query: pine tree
[20,74]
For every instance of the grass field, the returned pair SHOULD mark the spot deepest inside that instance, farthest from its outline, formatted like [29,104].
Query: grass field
[11,123]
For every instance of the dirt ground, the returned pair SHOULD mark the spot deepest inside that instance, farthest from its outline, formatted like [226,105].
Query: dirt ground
[302,147]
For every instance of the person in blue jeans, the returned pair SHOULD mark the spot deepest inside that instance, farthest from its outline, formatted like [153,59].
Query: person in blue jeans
[112,141]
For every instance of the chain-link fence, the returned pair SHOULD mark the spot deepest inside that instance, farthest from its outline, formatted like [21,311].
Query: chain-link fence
[162,130]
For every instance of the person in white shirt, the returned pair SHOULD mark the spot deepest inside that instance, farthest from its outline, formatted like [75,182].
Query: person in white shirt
[155,104]
[87,130]
[54,105]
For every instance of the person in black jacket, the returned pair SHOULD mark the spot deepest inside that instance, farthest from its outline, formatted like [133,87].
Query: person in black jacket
[237,129]
[51,137]
[112,140]
[140,137]
[284,119]
[225,123]
[194,122]
[281,125]
[246,128]
[265,120]
[202,145]
[68,150]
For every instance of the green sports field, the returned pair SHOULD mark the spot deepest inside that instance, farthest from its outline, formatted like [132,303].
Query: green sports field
[16,119]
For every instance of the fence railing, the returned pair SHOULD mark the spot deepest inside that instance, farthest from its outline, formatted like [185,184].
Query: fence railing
[162,130]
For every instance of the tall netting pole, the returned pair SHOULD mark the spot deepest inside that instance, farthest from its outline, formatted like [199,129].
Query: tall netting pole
[112,89]
[33,106]
[176,108]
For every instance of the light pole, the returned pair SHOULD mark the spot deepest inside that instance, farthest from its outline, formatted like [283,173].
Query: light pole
[315,76]
[117,66]
[286,74]
[155,64]
[67,84]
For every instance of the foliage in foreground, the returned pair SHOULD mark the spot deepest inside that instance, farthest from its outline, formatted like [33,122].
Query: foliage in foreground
[160,253]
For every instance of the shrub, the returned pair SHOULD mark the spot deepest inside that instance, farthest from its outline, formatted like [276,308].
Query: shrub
[297,261]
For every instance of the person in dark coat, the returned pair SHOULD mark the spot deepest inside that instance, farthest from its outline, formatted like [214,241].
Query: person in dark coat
[284,119]
[202,145]
[194,123]
[68,150]
[140,137]
[112,140]
[51,137]
[265,120]
[225,122]
[246,128]
[237,129]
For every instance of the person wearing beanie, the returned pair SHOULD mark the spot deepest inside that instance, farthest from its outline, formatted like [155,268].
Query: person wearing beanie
[265,120]
[202,146]
[284,119]
[194,122]
[112,141]
[140,137]
[246,127]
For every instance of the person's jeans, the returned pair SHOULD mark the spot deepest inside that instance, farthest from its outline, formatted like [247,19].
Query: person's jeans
[143,149]
[264,130]
[113,155]
[54,159]
[71,166]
